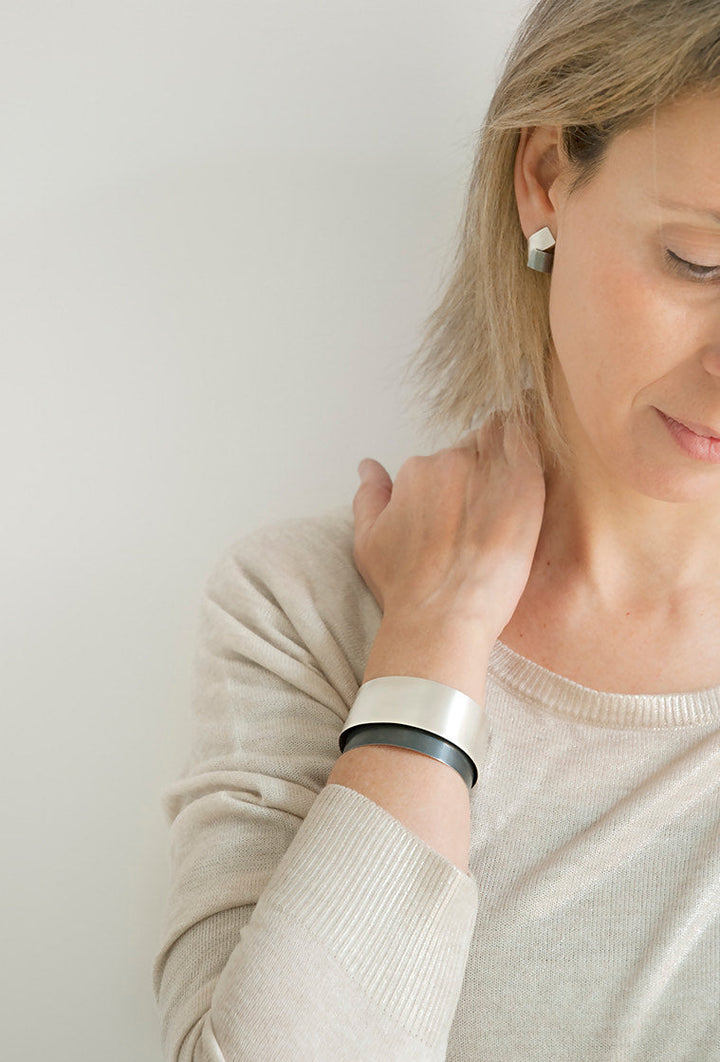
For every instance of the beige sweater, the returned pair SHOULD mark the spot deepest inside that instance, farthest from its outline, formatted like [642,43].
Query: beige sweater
[305,923]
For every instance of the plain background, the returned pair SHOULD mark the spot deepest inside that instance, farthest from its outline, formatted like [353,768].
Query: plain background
[223,225]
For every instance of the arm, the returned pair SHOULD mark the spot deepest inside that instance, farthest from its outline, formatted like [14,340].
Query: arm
[447,551]
[427,796]
[308,954]
[297,908]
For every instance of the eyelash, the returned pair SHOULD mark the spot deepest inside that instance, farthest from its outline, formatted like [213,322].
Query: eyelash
[690,269]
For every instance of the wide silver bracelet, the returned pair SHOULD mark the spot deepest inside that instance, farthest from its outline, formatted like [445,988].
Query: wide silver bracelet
[425,706]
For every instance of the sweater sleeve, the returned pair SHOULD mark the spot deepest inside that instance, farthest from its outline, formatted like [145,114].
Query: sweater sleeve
[303,920]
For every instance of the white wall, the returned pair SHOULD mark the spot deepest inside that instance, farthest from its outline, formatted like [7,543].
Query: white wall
[222,227]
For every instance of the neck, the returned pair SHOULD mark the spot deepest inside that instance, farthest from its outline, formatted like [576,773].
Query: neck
[626,547]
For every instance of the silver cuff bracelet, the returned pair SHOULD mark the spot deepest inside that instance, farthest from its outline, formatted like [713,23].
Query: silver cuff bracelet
[425,706]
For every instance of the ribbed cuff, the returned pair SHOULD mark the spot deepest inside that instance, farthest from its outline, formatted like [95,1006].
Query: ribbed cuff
[391,910]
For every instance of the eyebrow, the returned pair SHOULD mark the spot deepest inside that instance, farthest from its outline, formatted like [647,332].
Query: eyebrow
[686,208]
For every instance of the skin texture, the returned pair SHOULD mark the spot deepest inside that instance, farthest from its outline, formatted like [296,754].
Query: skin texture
[608,572]
[463,557]
[624,591]
[446,550]
[630,335]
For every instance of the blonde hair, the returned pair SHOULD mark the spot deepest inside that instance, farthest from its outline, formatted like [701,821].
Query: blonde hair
[595,68]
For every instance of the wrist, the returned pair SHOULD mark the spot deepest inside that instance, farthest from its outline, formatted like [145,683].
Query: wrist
[441,648]
[428,717]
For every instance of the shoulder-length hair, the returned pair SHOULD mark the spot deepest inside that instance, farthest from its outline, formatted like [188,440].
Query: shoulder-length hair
[595,68]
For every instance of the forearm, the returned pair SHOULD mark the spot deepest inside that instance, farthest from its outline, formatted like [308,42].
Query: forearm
[427,796]
[356,948]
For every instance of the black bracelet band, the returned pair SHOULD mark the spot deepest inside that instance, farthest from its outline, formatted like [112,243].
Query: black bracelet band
[409,737]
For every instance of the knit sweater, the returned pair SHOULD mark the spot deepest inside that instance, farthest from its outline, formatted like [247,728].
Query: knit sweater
[305,923]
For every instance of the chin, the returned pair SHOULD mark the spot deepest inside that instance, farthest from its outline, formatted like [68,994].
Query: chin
[641,456]
[677,485]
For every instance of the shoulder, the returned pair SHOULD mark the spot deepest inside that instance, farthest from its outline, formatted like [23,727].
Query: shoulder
[290,555]
[297,543]
[296,580]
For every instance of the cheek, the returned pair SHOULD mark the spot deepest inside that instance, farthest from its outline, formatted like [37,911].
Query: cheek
[612,325]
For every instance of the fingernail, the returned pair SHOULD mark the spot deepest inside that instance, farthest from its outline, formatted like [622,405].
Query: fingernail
[363,469]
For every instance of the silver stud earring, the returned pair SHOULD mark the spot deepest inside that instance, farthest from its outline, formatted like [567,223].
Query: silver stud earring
[540,251]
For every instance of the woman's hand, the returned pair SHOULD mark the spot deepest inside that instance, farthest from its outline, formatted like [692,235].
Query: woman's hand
[447,550]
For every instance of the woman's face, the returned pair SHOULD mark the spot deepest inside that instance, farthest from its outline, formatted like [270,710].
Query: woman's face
[637,332]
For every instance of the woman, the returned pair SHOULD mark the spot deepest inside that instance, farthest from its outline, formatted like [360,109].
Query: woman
[537,874]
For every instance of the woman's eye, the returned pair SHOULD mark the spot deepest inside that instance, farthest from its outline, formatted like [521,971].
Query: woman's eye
[691,269]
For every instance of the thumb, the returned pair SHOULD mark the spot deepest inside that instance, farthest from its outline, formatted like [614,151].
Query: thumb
[372,495]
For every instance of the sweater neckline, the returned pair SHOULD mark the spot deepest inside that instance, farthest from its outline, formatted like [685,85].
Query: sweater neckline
[563,697]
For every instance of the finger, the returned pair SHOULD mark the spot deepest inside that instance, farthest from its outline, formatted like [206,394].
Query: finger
[519,443]
[372,495]
[469,441]
[486,438]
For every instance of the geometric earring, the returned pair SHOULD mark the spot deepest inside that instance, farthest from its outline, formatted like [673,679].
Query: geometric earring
[540,251]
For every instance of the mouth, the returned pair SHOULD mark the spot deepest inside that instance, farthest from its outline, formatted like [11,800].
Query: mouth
[695,440]
[699,429]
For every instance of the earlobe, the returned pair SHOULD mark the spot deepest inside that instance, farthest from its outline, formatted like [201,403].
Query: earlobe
[537,167]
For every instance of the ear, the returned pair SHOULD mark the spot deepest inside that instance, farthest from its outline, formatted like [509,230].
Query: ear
[538,172]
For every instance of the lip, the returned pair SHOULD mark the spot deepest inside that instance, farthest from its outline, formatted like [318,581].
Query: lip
[697,429]
[695,440]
